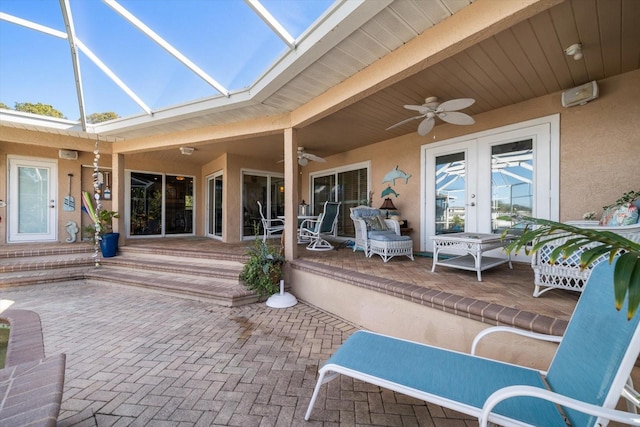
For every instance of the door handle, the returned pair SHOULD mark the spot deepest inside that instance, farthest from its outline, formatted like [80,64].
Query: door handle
[471,204]
[52,204]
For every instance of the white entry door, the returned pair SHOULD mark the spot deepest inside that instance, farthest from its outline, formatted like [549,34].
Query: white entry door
[32,202]
[470,182]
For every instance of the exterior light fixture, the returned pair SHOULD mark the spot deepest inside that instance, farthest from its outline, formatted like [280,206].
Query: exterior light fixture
[187,151]
[574,50]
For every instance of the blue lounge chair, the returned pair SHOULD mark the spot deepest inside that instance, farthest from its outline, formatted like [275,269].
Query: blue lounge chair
[586,378]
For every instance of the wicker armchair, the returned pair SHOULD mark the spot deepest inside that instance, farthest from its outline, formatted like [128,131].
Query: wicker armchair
[566,273]
[387,243]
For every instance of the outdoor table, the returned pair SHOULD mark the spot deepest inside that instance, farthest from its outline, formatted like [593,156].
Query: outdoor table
[469,247]
[301,218]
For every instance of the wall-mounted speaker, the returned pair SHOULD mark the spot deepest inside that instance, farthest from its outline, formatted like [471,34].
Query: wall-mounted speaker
[68,154]
[580,95]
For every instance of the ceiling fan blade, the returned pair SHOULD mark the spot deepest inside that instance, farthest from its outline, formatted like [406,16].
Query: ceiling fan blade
[419,108]
[313,157]
[404,121]
[455,104]
[456,118]
[425,126]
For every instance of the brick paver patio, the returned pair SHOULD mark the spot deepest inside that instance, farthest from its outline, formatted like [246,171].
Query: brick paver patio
[136,358]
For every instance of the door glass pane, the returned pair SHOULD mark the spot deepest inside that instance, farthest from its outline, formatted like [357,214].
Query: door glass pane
[511,181]
[450,193]
[146,204]
[179,204]
[277,197]
[33,195]
[254,189]
[352,192]
[323,191]
[215,206]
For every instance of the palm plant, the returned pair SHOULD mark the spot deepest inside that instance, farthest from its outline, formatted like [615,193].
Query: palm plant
[626,275]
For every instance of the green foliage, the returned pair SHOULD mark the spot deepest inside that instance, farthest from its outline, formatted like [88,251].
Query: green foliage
[39,108]
[627,197]
[5,106]
[101,117]
[263,271]
[104,226]
[626,275]
[106,220]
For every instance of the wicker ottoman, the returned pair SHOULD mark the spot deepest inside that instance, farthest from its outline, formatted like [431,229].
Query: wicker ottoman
[390,245]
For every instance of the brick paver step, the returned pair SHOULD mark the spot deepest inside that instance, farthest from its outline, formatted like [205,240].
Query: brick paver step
[193,266]
[226,292]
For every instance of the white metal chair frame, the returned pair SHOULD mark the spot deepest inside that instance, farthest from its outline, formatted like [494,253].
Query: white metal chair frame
[312,230]
[269,226]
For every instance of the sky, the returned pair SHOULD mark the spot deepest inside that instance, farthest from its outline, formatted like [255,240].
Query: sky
[225,38]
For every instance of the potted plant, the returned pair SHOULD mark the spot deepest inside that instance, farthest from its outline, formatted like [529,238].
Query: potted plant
[102,227]
[626,276]
[108,239]
[263,270]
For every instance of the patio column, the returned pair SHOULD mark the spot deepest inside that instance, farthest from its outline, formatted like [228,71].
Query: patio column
[290,194]
[117,194]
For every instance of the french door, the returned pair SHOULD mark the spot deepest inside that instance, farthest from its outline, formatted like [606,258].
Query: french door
[32,200]
[470,182]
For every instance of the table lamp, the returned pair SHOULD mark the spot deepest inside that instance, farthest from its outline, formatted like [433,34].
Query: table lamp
[388,205]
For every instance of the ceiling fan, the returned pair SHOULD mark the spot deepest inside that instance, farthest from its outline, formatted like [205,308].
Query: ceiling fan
[446,111]
[304,157]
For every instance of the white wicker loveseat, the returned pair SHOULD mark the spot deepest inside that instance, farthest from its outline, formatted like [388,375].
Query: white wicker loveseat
[378,235]
[566,273]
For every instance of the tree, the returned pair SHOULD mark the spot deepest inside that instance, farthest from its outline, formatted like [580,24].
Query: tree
[5,106]
[39,108]
[101,117]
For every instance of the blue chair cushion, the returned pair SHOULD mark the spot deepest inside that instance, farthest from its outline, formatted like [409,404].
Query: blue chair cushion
[362,213]
[388,236]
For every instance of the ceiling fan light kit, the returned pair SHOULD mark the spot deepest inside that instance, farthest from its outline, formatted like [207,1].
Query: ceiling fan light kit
[446,111]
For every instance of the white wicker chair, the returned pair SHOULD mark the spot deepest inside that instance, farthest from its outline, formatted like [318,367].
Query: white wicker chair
[566,273]
[387,243]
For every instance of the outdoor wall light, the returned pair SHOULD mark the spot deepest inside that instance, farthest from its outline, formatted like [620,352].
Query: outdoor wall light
[187,151]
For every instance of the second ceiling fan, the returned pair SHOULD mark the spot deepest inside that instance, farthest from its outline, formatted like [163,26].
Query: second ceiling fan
[446,111]
[304,157]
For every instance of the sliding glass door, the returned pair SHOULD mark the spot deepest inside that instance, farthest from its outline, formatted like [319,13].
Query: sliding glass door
[160,204]
[350,186]
[266,188]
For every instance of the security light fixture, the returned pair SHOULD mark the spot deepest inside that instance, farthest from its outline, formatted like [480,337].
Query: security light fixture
[187,151]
